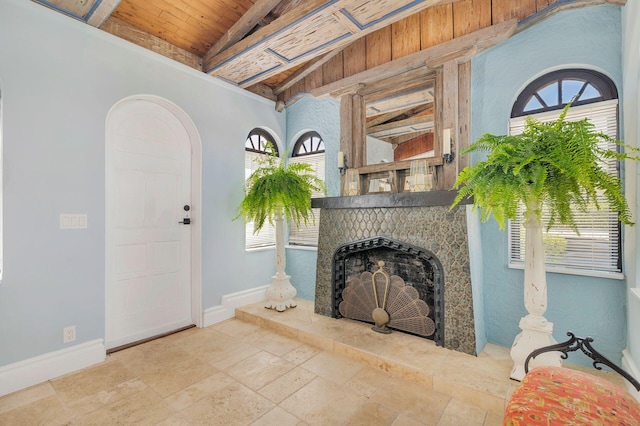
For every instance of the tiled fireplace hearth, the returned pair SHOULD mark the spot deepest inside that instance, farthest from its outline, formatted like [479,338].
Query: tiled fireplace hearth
[421,221]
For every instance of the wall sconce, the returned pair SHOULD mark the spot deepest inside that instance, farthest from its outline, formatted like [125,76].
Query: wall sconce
[446,146]
[342,163]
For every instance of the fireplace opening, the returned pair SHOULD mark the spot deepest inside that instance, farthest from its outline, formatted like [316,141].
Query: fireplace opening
[355,264]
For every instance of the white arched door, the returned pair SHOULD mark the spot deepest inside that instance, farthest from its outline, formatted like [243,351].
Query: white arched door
[148,221]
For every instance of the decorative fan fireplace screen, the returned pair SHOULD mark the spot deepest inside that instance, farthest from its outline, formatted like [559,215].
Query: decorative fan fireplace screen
[366,292]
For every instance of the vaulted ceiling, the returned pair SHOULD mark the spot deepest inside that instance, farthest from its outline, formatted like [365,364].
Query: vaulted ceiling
[281,49]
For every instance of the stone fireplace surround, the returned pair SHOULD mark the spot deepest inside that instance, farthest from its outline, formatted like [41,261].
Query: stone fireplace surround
[420,219]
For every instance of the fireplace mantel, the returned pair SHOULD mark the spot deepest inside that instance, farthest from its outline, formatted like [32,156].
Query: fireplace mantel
[403,199]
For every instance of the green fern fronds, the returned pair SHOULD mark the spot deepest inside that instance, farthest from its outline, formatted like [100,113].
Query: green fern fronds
[555,164]
[274,189]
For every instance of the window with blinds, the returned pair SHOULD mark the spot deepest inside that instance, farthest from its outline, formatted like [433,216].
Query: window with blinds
[308,149]
[597,249]
[256,147]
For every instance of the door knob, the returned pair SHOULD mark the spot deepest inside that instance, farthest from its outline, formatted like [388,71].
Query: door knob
[186,221]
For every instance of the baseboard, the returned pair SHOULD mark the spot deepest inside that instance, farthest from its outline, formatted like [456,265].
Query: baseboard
[32,371]
[630,367]
[230,302]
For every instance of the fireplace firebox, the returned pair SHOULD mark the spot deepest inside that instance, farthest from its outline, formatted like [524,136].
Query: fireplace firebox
[417,267]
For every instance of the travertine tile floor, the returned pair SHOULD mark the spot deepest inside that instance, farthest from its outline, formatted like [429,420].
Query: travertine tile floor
[270,368]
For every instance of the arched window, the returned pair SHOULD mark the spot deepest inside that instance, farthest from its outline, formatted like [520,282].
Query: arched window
[597,250]
[259,144]
[309,148]
[555,90]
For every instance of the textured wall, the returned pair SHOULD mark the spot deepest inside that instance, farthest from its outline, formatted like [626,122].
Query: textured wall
[589,38]
[437,229]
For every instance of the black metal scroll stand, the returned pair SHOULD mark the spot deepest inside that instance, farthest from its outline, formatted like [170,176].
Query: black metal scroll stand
[584,344]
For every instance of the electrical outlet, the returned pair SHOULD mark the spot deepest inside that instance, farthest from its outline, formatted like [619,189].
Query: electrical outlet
[69,334]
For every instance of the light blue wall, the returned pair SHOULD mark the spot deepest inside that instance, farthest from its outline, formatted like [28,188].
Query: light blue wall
[322,116]
[59,78]
[589,38]
[631,85]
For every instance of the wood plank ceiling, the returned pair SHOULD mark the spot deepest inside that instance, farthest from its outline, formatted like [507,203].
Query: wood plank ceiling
[283,49]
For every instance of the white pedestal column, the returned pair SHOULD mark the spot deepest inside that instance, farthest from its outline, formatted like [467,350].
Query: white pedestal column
[536,330]
[280,293]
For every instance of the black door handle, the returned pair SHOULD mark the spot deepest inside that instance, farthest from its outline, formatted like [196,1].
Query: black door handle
[186,221]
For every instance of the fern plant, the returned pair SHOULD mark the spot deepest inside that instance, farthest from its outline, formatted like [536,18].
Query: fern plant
[277,189]
[553,164]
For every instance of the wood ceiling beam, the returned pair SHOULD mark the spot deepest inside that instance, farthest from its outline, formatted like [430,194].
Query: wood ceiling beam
[264,91]
[460,48]
[137,36]
[241,28]
[305,9]
[286,6]
[103,11]
[310,67]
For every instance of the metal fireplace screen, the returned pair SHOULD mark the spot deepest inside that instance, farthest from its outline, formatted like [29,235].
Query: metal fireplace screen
[387,302]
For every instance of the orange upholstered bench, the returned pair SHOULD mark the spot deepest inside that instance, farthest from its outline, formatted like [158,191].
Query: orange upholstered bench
[561,396]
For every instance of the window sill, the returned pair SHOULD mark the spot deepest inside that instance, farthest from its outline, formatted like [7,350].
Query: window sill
[595,274]
[300,247]
[257,249]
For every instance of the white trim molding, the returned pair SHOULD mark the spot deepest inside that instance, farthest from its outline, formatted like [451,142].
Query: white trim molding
[32,371]
[630,367]
[230,302]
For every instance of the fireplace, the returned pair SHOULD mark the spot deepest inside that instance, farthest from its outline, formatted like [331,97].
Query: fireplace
[420,224]
[416,267]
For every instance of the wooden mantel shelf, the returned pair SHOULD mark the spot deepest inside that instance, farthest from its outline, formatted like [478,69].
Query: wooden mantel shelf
[397,165]
[403,199]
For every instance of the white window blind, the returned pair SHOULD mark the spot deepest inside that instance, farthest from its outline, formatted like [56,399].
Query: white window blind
[267,235]
[597,249]
[308,235]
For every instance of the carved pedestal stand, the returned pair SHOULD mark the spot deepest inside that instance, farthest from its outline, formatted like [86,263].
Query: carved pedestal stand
[280,293]
[536,330]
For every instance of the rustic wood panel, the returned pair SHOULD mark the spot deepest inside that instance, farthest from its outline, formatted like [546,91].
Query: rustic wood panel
[316,79]
[456,49]
[450,118]
[405,36]
[415,146]
[399,165]
[464,111]
[436,25]
[358,126]
[192,26]
[470,16]
[503,10]
[378,46]
[332,70]
[355,57]
[541,4]
[294,90]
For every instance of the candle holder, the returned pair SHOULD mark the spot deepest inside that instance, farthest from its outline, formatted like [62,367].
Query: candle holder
[420,177]
[352,182]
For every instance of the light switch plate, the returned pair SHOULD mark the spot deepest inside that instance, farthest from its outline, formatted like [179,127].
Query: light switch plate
[73,221]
